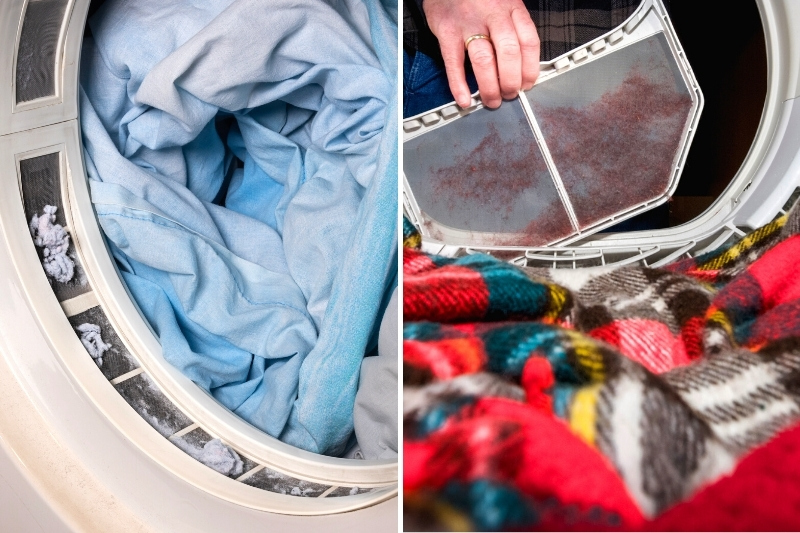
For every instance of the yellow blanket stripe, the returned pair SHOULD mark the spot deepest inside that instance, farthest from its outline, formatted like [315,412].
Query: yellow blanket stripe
[413,241]
[454,519]
[588,358]
[558,297]
[745,244]
[583,412]
[718,317]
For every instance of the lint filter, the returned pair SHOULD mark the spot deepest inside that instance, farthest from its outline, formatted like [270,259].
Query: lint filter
[601,137]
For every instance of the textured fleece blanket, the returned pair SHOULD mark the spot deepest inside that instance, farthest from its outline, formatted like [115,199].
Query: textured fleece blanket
[606,398]
[243,166]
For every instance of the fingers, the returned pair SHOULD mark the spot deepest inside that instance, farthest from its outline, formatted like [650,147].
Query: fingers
[453,54]
[481,55]
[529,46]
[509,56]
[503,65]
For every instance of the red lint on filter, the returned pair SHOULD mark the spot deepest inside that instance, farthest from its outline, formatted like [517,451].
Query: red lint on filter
[486,174]
[616,151]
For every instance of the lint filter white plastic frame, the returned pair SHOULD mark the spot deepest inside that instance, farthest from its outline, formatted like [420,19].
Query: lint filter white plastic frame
[650,19]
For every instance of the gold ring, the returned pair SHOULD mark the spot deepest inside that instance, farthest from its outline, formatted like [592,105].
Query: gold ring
[473,37]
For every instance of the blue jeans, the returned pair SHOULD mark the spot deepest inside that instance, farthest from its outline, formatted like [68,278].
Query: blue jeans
[425,84]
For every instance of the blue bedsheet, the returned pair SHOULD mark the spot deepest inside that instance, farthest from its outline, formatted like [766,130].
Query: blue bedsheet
[265,282]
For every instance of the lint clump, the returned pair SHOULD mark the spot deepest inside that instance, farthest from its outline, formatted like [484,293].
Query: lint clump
[92,340]
[297,491]
[54,241]
[221,458]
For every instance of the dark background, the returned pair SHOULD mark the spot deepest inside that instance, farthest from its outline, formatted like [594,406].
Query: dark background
[724,42]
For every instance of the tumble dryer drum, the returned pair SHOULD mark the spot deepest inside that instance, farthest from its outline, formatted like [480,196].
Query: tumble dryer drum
[84,360]
[601,137]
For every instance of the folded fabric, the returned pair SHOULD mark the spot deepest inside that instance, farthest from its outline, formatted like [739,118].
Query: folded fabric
[375,414]
[762,494]
[243,166]
[524,389]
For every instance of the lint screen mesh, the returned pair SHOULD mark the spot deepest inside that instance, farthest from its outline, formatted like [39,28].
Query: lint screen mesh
[614,127]
[38,42]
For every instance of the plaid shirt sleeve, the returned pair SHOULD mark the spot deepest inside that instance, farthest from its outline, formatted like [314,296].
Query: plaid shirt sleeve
[562,24]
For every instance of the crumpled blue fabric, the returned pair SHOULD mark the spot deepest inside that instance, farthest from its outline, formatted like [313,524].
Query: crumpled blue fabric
[265,281]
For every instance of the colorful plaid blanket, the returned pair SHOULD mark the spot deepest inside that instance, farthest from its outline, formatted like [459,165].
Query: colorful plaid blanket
[595,398]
